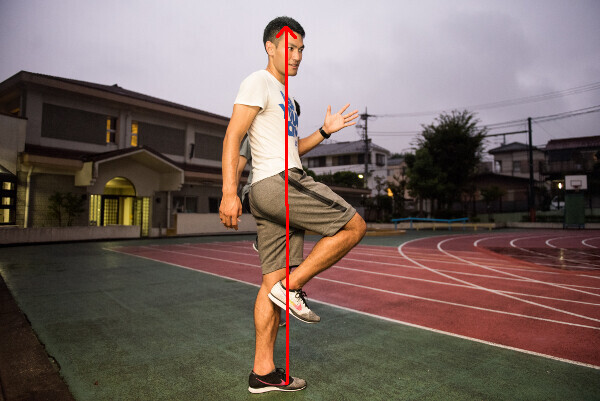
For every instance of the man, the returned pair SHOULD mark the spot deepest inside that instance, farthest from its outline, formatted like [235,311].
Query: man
[259,111]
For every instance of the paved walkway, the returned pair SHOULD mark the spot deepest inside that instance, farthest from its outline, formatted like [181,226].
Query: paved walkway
[26,372]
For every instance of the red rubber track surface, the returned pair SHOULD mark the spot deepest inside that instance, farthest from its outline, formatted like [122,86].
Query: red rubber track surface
[537,292]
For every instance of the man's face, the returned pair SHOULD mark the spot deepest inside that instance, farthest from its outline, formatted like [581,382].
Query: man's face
[292,55]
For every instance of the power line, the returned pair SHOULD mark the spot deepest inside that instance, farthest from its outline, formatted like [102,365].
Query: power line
[505,103]
[559,116]
[504,124]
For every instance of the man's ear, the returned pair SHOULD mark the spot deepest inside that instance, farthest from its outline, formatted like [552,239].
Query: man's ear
[270,47]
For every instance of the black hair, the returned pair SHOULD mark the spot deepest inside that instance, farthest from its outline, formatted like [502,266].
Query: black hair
[298,108]
[273,28]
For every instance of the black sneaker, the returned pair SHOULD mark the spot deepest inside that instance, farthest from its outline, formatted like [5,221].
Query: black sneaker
[274,381]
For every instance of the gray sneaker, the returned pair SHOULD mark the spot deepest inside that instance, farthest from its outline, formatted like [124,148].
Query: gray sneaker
[298,306]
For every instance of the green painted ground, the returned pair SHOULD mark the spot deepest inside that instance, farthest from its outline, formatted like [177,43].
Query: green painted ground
[124,328]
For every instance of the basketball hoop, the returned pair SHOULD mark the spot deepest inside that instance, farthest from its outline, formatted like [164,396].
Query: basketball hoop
[575,182]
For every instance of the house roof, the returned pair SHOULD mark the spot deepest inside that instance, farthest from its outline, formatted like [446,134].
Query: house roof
[343,148]
[511,147]
[98,157]
[121,93]
[574,143]
[396,161]
[491,178]
[6,175]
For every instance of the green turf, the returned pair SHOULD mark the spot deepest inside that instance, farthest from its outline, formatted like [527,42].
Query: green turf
[125,328]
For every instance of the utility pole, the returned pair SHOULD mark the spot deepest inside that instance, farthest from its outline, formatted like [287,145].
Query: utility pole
[365,117]
[531,185]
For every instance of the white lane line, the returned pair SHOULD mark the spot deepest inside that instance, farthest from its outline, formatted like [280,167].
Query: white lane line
[497,345]
[408,267]
[583,264]
[532,280]
[544,258]
[564,286]
[584,242]
[548,243]
[458,285]
[497,292]
[401,294]
[366,287]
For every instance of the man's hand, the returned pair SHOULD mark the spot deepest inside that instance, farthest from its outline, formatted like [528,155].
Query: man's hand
[230,211]
[338,121]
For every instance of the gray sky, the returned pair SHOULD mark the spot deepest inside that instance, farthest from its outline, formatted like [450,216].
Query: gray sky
[394,57]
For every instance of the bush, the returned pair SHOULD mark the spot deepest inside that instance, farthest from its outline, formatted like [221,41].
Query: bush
[65,207]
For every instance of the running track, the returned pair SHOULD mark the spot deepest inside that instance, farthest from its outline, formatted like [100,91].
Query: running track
[535,292]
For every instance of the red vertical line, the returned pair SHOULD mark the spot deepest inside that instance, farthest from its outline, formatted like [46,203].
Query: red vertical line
[287,226]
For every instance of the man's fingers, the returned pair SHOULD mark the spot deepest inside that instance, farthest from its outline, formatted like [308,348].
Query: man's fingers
[328,110]
[351,116]
[344,108]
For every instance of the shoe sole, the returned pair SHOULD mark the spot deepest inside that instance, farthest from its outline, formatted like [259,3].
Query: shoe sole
[267,389]
[282,306]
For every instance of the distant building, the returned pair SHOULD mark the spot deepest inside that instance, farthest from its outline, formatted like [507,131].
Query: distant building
[329,158]
[513,159]
[133,159]
[396,173]
[571,156]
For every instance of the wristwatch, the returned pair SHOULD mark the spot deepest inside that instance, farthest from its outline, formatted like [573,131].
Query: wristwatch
[326,136]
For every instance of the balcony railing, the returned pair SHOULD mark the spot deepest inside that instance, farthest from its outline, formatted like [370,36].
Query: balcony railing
[568,167]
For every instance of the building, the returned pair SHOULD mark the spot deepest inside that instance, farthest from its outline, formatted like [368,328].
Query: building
[329,158]
[133,159]
[571,156]
[513,159]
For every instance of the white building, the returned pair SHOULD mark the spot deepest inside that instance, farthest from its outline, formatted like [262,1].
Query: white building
[329,158]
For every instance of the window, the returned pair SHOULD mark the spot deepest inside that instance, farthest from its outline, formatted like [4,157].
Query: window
[498,166]
[380,159]
[516,166]
[208,147]
[342,160]
[134,133]
[213,205]
[185,204]
[317,161]
[95,209]
[111,130]
[361,158]
[8,197]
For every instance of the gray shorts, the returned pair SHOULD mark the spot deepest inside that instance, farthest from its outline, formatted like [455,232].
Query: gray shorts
[313,206]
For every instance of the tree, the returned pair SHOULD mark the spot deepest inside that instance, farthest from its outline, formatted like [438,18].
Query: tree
[491,195]
[65,206]
[341,178]
[444,163]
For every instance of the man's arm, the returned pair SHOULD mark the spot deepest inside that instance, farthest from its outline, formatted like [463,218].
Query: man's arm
[333,123]
[241,119]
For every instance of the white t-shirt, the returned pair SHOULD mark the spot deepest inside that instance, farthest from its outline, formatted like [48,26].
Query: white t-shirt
[266,134]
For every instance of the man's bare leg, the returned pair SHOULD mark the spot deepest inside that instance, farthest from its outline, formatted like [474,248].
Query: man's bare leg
[266,324]
[328,251]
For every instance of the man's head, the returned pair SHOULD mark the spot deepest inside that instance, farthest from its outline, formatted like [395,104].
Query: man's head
[279,56]
[276,25]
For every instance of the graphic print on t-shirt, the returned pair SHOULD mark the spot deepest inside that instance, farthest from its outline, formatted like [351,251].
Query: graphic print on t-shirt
[292,119]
